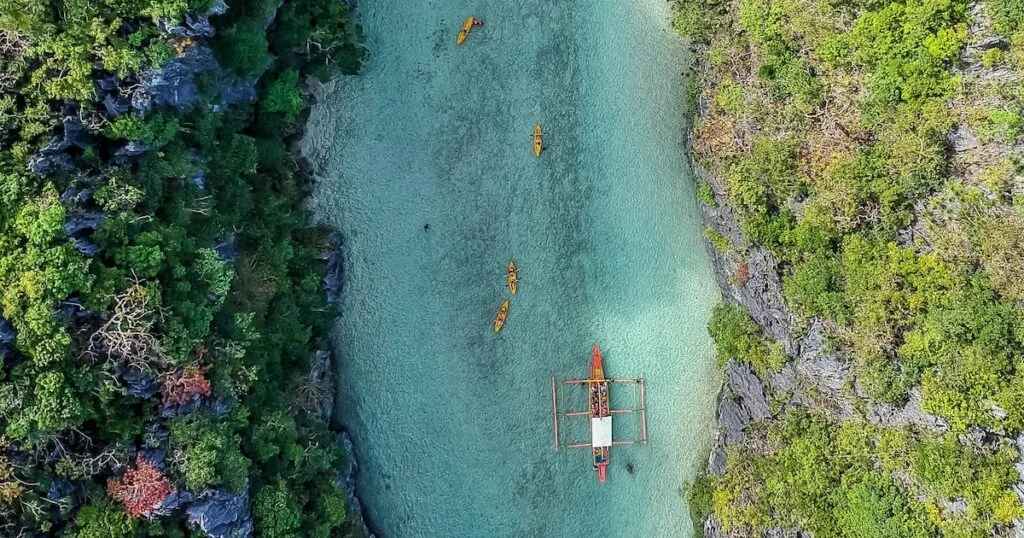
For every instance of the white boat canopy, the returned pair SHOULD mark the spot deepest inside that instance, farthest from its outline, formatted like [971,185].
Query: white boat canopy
[601,430]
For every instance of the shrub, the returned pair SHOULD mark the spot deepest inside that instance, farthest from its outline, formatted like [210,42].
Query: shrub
[706,194]
[737,337]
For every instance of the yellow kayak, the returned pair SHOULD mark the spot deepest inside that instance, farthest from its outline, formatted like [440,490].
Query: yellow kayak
[499,321]
[464,32]
[512,277]
[538,137]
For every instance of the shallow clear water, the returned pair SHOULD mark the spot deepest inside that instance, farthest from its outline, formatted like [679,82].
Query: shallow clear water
[452,422]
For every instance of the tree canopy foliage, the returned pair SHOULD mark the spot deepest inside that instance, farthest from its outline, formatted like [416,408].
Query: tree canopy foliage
[873,149]
[160,301]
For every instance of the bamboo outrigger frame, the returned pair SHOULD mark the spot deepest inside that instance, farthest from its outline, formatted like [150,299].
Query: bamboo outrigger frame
[642,410]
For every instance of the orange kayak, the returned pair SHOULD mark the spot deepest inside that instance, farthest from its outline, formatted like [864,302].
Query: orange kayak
[464,32]
[499,320]
[538,140]
[512,277]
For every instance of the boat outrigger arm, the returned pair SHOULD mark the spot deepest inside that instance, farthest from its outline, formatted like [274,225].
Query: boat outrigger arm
[600,413]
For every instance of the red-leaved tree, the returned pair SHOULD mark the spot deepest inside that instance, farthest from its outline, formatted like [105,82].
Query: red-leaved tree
[742,274]
[180,386]
[140,489]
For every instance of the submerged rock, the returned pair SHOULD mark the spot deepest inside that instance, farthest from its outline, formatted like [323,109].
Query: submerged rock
[346,481]
[335,270]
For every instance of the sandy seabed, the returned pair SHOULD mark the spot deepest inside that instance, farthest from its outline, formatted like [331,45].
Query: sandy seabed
[426,169]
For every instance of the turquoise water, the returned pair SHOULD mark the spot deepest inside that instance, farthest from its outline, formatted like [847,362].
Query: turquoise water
[453,423]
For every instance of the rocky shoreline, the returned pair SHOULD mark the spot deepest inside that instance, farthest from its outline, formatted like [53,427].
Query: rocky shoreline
[815,376]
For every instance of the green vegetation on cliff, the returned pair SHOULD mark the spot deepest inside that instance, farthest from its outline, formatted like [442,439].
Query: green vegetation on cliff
[874,149]
[160,301]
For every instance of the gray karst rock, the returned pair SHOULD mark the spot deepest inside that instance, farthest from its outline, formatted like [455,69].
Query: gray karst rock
[749,389]
[828,372]
[993,42]
[226,249]
[107,84]
[7,338]
[75,195]
[763,297]
[77,223]
[176,500]
[141,102]
[137,384]
[116,105]
[198,178]
[71,308]
[177,410]
[193,27]
[219,7]
[234,90]
[713,528]
[60,488]
[44,165]
[132,149]
[221,514]
[79,226]
[7,333]
[173,84]
[75,134]
[909,414]
[717,460]
[732,418]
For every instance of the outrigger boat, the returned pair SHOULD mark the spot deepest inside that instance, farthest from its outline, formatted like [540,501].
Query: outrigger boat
[538,140]
[512,277]
[600,413]
[499,320]
[467,27]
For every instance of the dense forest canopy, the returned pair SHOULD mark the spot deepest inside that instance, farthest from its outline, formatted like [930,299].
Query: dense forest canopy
[161,303]
[871,150]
